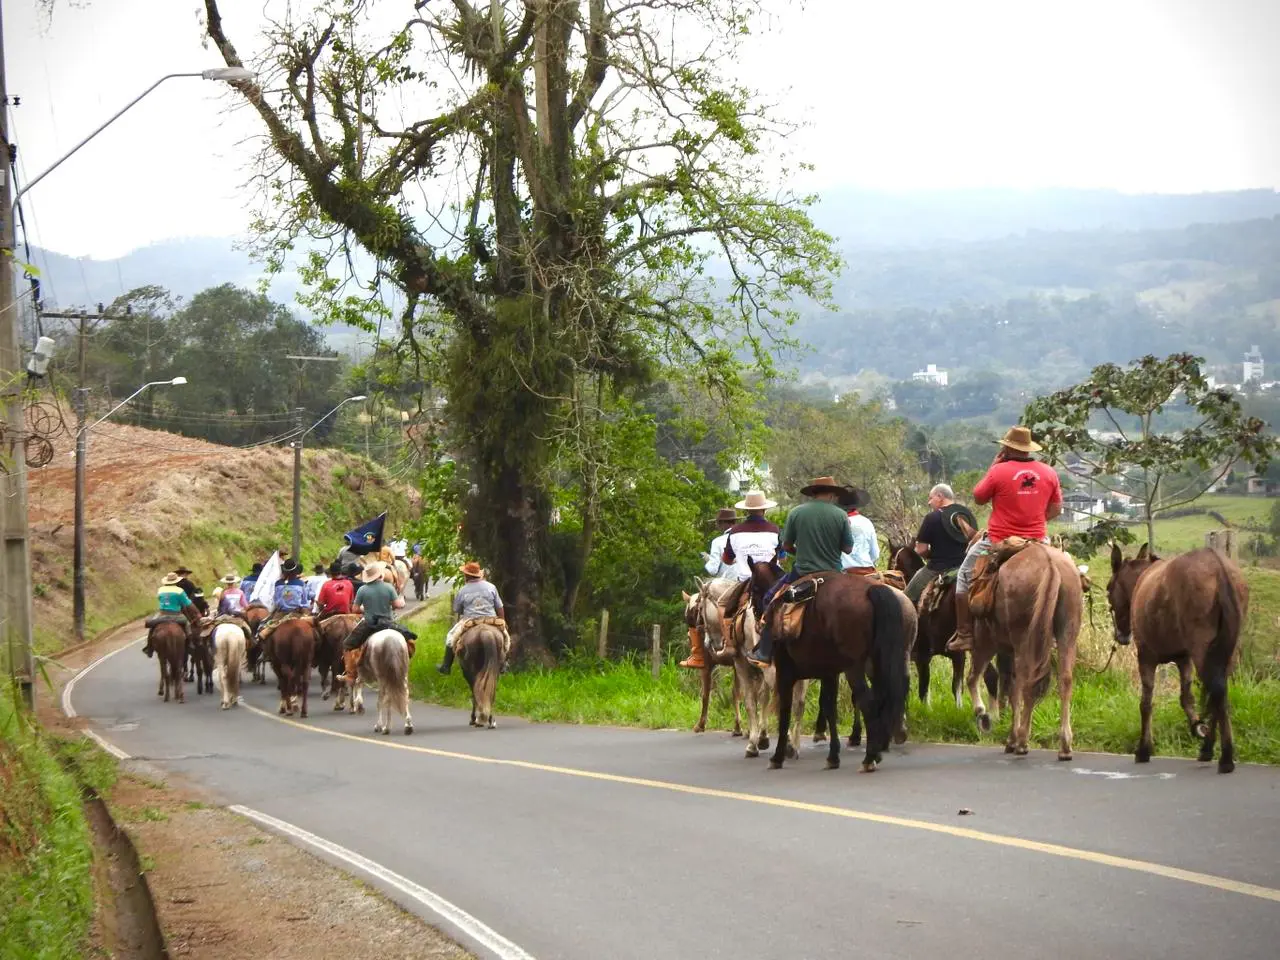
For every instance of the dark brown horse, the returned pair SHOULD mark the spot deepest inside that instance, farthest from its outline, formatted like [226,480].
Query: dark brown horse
[169,641]
[330,632]
[936,627]
[418,572]
[255,656]
[849,625]
[292,649]
[481,661]
[199,655]
[1039,603]
[1187,611]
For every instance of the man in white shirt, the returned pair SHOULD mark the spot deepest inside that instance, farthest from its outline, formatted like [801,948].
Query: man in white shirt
[866,548]
[399,548]
[713,563]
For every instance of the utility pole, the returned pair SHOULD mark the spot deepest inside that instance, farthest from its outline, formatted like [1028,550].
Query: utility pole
[297,486]
[15,562]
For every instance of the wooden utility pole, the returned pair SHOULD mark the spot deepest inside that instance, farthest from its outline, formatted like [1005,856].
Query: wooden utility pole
[15,563]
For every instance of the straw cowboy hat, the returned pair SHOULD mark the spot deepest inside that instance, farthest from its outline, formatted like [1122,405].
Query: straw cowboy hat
[822,485]
[471,569]
[371,573]
[1019,438]
[755,500]
[169,580]
[853,498]
[230,580]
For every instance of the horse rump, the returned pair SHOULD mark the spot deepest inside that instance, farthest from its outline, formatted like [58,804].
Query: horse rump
[481,657]
[889,661]
[1221,649]
[228,643]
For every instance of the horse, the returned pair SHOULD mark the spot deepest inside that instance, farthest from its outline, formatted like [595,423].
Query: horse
[385,662]
[418,574]
[330,632]
[256,658]
[199,657]
[169,641]
[395,570]
[481,661]
[1187,611]
[1039,602]
[228,645]
[935,628]
[702,611]
[849,624]
[292,648]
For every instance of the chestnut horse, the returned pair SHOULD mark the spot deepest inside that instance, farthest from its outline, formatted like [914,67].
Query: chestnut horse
[330,632]
[481,661]
[851,623]
[1187,611]
[169,641]
[418,574]
[292,648]
[1039,603]
[702,612]
[256,657]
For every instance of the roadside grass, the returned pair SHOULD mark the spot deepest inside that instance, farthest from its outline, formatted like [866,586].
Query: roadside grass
[1104,712]
[46,853]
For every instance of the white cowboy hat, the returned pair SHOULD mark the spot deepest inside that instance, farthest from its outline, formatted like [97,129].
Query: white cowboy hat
[230,579]
[169,580]
[755,500]
[371,573]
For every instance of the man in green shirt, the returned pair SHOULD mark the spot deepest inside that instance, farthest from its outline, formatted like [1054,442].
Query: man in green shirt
[374,602]
[816,534]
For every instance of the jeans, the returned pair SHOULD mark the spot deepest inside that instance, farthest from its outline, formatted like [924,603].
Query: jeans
[919,582]
[980,548]
[764,647]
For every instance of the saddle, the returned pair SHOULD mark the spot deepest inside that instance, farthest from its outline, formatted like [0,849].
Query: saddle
[890,578]
[935,590]
[269,626]
[733,606]
[466,625]
[787,608]
[982,591]
[160,618]
[208,626]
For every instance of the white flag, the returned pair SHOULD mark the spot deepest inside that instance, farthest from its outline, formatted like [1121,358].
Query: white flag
[264,591]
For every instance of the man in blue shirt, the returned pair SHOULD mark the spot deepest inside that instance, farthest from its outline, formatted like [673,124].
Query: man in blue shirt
[866,548]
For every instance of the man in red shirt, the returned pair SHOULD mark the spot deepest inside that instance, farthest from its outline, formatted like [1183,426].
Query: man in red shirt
[1024,495]
[338,593]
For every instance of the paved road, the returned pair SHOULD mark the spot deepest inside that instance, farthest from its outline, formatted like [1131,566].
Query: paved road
[584,842]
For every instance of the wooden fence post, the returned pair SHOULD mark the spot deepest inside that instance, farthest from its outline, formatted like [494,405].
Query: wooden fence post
[602,644]
[1224,540]
[657,650]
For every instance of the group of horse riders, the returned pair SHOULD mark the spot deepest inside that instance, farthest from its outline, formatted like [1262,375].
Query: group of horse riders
[829,533]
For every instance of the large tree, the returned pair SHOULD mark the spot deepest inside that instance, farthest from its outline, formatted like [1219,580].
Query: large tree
[559,196]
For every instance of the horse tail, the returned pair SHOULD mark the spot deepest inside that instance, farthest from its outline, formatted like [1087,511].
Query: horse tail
[229,641]
[889,660]
[1217,657]
[485,687]
[1040,628]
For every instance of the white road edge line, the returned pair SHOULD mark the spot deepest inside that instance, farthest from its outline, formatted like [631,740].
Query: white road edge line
[106,745]
[472,928]
[67,708]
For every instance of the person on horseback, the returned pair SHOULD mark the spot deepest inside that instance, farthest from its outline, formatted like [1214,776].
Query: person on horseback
[816,534]
[233,601]
[754,540]
[374,601]
[941,539]
[476,599]
[172,601]
[1025,495]
[195,593]
[716,566]
[337,594]
[249,582]
[866,548]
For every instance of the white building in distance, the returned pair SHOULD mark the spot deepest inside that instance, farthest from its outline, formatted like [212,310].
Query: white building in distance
[931,374]
[1253,367]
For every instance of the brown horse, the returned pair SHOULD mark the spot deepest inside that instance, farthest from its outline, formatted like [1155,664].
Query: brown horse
[292,648]
[418,574]
[199,656]
[330,632]
[1038,605]
[481,661]
[849,625]
[702,612]
[936,627]
[255,657]
[1187,611]
[169,641]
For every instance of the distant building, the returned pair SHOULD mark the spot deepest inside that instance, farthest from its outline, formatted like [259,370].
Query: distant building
[931,374]
[1253,367]
[741,477]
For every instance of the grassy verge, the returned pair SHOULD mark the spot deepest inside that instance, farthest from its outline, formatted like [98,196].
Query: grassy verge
[46,853]
[1104,705]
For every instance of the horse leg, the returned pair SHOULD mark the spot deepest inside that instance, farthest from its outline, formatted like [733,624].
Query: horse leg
[701,725]
[163,690]
[1066,681]
[764,690]
[1188,700]
[855,735]
[304,682]
[784,671]
[1227,759]
[799,689]
[404,703]
[737,706]
[742,678]
[957,678]
[1147,674]
[923,655]
[828,694]
[977,665]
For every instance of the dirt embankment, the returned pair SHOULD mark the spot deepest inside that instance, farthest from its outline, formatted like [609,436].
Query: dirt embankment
[156,499]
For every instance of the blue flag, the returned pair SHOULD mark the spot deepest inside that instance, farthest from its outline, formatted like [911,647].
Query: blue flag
[366,538]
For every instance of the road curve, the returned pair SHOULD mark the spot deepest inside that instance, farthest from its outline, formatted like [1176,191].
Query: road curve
[589,842]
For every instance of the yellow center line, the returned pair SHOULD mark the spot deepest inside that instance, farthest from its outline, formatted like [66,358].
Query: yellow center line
[964,833]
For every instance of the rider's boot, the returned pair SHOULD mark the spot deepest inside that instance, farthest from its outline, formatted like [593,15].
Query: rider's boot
[762,655]
[148,649]
[696,659]
[963,640]
[447,663]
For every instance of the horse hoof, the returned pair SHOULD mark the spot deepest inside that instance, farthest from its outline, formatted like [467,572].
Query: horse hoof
[1143,754]
[984,722]
[1206,754]
[1226,766]
[303,715]
[493,724]
[855,741]
[1008,748]
[699,728]
[832,764]
[1201,730]
[1064,755]
[1019,751]
[408,729]
[763,743]
[899,738]
[360,708]
[386,732]
[337,707]
[736,733]
[325,695]
[819,738]
[752,751]
[775,764]
[792,753]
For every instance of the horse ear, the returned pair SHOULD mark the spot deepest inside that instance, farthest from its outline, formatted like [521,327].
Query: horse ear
[1144,552]
[686,596]
[1117,558]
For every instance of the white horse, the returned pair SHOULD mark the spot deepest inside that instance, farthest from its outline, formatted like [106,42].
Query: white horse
[228,652]
[386,662]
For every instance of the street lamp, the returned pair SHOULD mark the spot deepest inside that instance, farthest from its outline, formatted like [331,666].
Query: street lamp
[297,475]
[82,452]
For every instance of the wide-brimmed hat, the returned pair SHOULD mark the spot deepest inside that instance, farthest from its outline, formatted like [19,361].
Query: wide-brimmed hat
[290,567]
[471,569]
[755,500]
[169,580]
[952,514]
[1019,438]
[182,571]
[351,569]
[853,498]
[371,573]
[230,580]
[726,515]
[822,485]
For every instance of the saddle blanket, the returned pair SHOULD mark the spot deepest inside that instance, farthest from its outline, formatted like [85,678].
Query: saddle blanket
[454,638]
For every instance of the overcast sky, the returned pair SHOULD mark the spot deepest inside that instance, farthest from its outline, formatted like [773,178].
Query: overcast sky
[1136,95]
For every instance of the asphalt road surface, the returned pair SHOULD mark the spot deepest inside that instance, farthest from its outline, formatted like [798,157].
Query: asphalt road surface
[590,842]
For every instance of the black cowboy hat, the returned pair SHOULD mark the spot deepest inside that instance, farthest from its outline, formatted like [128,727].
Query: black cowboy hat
[182,571]
[951,515]
[290,567]
[255,569]
[821,485]
[334,569]
[853,498]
